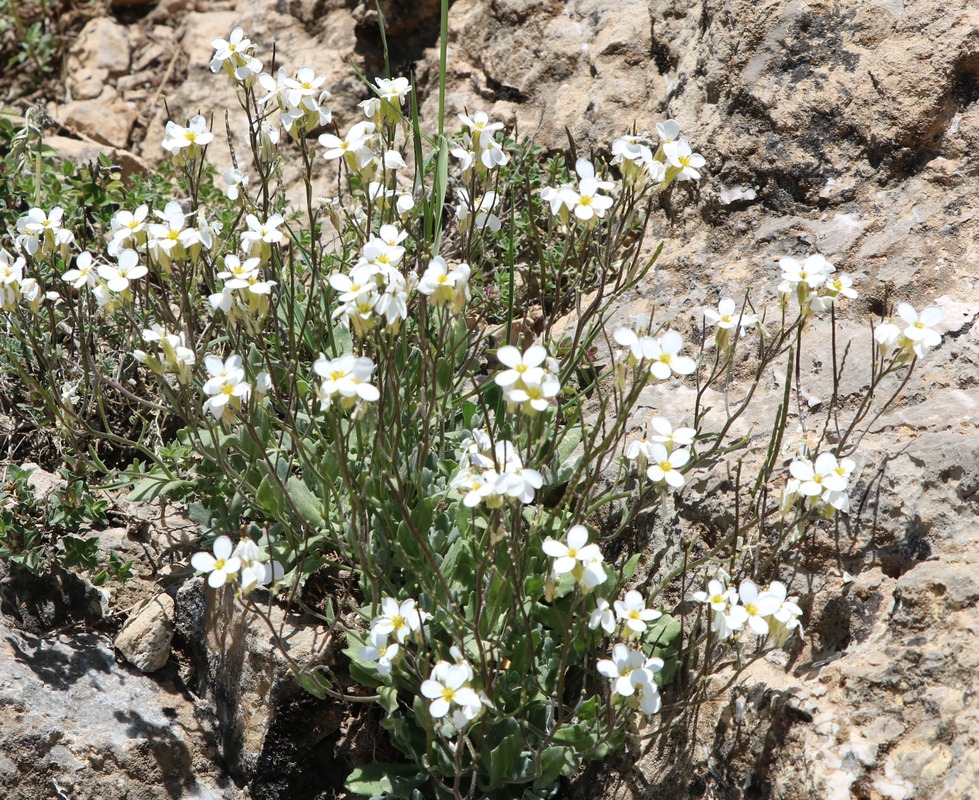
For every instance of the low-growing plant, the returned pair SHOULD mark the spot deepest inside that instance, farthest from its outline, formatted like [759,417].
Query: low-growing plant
[416,383]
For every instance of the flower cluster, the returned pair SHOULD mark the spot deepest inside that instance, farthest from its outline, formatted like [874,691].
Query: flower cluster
[375,292]
[445,286]
[245,562]
[493,474]
[455,703]
[916,338]
[41,231]
[585,202]
[234,56]
[226,387]
[168,354]
[661,352]
[346,380]
[245,294]
[389,630]
[633,677]
[814,283]
[672,159]
[301,100]
[823,484]
[479,147]
[768,614]
[576,557]
[530,380]
[662,452]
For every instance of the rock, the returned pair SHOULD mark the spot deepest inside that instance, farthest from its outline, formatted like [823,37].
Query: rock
[101,52]
[275,736]
[79,151]
[42,603]
[145,637]
[72,718]
[107,119]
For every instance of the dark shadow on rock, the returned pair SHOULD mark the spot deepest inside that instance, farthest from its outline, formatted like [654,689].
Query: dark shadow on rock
[40,603]
[173,758]
[61,665]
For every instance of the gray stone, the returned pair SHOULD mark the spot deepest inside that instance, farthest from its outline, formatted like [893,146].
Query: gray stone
[146,636]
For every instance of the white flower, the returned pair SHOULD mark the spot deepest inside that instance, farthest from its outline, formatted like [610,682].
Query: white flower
[191,138]
[345,378]
[628,669]
[582,560]
[226,386]
[589,204]
[668,131]
[477,213]
[815,478]
[449,687]
[522,366]
[602,616]
[127,269]
[718,596]
[84,272]
[400,619]
[682,160]
[632,612]
[757,606]
[354,148]
[663,352]
[728,320]
[920,328]
[806,275]
[380,652]
[665,466]
[444,286]
[222,566]
[235,180]
[665,434]
[785,618]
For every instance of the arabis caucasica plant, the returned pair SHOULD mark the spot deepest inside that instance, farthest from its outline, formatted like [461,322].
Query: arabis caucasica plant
[413,385]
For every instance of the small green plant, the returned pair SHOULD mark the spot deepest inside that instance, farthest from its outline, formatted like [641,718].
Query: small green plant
[417,383]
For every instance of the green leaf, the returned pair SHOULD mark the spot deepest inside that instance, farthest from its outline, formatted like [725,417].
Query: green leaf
[629,569]
[503,759]
[555,761]
[147,489]
[385,780]
[269,497]
[314,683]
[389,698]
[307,504]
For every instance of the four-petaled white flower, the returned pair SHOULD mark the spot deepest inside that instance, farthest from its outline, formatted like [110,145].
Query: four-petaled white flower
[222,566]
[400,620]
[346,378]
[602,616]
[663,353]
[632,612]
[628,670]
[575,555]
[192,138]
[127,269]
[448,687]
[226,387]
[380,651]
[920,330]
[665,466]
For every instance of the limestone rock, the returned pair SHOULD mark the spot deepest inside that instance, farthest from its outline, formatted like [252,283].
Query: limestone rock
[74,719]
[145,637]
[101,53]
[107,119]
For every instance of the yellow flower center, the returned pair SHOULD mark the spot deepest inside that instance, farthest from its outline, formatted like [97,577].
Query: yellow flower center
[751,608]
